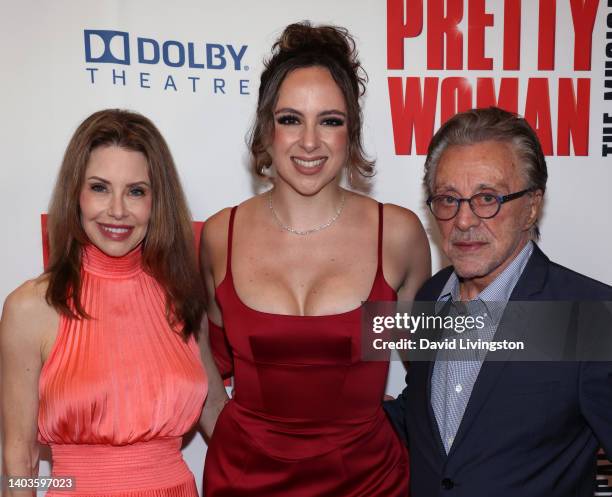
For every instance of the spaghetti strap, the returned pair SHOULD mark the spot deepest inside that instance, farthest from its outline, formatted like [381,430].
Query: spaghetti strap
[380,236]
[230,235]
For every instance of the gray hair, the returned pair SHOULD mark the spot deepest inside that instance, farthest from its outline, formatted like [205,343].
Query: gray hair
[490,124]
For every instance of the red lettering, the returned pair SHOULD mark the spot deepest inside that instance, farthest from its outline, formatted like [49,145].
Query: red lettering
[439,25]
[573,117]
[412,111]
[478,20]
[508,94]
[414,106]
[397,30]
[583,17]
[456,96]
[537,112]
[512,35]
[546,35]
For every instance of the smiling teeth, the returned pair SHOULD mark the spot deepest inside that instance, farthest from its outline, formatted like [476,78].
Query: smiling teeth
[308,163]
[116,230]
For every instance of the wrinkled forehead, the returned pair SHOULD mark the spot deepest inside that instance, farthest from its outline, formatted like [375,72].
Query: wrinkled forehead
[469,168]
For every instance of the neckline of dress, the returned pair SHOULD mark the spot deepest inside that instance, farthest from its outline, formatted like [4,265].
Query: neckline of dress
[229,280]
[95,261]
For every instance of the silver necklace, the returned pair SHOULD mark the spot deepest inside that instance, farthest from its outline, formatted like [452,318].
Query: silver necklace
[291,229]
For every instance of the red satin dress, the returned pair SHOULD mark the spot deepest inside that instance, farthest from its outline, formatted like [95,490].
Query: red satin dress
[306,419]
[118,391]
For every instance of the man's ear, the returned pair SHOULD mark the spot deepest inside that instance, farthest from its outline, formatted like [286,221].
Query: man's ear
[536,199]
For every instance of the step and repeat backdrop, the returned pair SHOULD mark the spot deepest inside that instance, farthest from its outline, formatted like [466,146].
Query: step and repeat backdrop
[193,67]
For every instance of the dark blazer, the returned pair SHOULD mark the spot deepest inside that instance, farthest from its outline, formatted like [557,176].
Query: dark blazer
[530,429]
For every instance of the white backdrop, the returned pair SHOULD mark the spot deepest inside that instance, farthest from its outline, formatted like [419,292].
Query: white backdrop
[47,89]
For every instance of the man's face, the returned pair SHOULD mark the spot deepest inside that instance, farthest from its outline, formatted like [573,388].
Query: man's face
[480,249]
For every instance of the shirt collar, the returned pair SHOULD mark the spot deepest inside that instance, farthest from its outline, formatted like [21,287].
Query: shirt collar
[499,290]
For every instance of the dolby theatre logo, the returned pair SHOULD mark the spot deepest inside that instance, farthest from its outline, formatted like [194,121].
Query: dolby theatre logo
[111,47]
[167,65]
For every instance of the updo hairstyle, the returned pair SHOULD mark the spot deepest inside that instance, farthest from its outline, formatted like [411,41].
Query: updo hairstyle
[303,45]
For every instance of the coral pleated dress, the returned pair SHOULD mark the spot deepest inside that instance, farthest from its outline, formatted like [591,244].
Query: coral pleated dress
[306,419]
[119,390]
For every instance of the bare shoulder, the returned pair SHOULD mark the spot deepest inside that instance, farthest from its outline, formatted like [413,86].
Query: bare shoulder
[365,208]
[213,247]
[26,315]
[216,227]
[406,250]
[28,297]
[214,232]
[402,225]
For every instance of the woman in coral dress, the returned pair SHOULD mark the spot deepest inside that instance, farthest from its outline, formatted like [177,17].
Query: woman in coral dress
[286,272]
[99,359]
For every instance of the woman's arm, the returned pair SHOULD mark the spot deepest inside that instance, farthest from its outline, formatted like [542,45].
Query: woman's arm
[212,247]
[406,249]
[26,323]
[407,246]
[217,396]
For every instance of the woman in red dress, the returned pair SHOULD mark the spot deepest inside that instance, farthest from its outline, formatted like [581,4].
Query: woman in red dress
[286,273]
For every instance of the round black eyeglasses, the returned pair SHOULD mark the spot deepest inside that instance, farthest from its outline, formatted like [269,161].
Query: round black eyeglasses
[484,205]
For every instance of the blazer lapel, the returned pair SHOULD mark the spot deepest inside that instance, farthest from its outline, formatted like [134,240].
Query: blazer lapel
[534,277]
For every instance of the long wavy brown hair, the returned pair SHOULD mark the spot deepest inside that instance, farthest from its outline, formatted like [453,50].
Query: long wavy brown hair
[168,248]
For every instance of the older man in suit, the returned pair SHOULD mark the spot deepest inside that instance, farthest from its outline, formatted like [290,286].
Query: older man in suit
[502,428]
